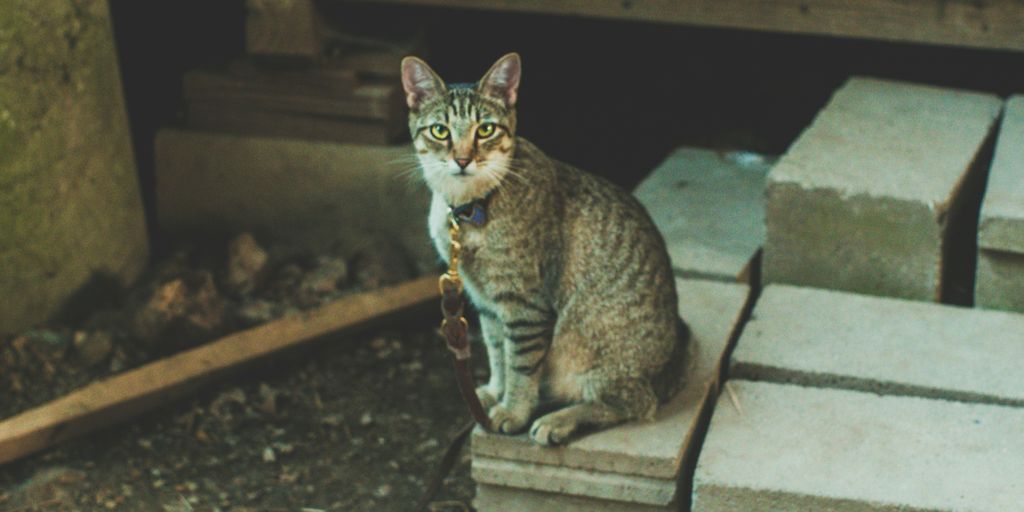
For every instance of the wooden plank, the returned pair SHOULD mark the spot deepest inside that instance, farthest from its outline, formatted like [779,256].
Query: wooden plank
[215,116]
[318,80]
[380,64]
[994,24]
[283,28]
[115,399]
[367,101]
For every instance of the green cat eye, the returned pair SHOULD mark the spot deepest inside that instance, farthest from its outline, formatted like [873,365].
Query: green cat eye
[439,131]
[485,130]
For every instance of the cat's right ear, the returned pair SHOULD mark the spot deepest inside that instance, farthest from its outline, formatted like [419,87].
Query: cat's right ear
[420,82]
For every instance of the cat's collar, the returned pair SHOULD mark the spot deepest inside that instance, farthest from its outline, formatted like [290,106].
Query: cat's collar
[473,212]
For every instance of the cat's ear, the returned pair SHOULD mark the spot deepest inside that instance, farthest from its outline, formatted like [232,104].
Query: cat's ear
[420,82]
[502,80]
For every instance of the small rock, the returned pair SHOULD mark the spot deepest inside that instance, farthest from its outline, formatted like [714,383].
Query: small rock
[246,264]
[284,448]
[268,455]
[117,363]
[268,399]
[182,312]
[429,444]
[228,404]
[379,344]
[332,420]
[93,347]
[381,262]
[366,419]
[383,491]
[257,312]
[326,278]
[51,485]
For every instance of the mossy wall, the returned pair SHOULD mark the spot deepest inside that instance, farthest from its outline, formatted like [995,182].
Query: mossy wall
[70,208]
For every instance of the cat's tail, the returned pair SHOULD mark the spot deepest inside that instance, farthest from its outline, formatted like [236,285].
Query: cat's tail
[680,365]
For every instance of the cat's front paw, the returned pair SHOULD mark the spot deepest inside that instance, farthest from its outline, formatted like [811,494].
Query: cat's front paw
[552,429]
[487,397]
[508,420]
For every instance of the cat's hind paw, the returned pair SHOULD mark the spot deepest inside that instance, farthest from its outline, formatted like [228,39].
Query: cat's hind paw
[487,398]
[508,421]
[552,429]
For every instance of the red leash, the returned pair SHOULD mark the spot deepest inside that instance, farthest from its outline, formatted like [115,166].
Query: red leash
[455,328]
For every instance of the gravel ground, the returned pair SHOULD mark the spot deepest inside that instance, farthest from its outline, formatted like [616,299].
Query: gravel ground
[354,424]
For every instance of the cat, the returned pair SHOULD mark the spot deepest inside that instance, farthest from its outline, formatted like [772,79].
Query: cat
[572,281]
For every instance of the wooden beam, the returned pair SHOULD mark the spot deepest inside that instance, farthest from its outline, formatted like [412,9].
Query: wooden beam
[121,397]
[992,24]
[283,28]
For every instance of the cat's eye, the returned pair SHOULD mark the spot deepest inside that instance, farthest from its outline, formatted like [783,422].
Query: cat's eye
[485,130]
[439,131]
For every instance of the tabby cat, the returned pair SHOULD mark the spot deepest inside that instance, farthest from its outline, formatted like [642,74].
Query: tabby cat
[572,281]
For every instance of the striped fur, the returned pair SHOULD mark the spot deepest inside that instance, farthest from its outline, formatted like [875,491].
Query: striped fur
[576,296]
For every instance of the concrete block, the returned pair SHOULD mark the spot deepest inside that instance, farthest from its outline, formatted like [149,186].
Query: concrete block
[494,497]
[879,194]
[1000,281]
[709,206]
[315,194]
[604,486]
[890,346]
[649,454]
[71,217]
[797,448]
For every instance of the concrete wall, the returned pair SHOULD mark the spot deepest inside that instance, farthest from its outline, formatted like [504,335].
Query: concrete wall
[69,201]
[318,195]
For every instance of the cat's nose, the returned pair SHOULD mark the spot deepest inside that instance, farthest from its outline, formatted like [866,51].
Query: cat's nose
[462,162]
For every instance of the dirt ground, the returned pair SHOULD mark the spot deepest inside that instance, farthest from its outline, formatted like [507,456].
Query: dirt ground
[356,424]
[353,423]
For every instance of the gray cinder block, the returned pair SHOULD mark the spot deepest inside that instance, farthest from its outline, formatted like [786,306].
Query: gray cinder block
[797,448]
[709,205]
[827,338]
[1000,280]
[877,195]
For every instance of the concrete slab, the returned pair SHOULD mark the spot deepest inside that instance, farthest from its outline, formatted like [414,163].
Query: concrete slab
[1000,281]
[797,448]
[890,346]
[877,195]
[601,485]
[709,205]
[494,497]
[652,451]
[315,194]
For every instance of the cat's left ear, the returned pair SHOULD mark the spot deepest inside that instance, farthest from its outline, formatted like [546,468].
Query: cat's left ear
[502,80]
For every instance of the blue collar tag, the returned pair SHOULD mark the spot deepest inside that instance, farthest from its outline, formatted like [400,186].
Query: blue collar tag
[474,213]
